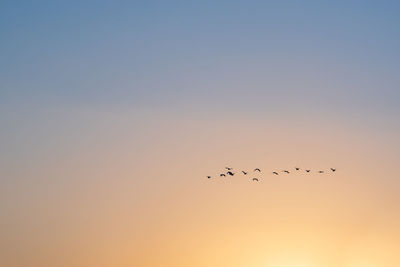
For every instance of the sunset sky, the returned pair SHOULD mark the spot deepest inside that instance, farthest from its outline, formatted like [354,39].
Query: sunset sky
[112,114]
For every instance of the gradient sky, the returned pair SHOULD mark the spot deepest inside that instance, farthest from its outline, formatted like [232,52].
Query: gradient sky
[113,113]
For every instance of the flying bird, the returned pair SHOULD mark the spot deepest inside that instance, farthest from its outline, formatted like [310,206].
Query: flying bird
[275,173]
[257,169]
[332,169]
[222,174]
[230,173]
[255,179]
[286,171]
[228,168]
[297,169]
[308,170]
[244,172]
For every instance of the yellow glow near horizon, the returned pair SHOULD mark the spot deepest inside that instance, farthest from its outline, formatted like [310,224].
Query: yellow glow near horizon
[286,261]
[124,201]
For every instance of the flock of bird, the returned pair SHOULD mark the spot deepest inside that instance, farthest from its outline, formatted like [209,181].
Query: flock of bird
[229,171]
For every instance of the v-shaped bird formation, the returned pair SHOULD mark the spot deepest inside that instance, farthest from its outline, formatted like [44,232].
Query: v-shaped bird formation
[257,171]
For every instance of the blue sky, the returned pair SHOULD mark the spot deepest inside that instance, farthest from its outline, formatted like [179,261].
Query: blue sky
[112,113]
[144,53]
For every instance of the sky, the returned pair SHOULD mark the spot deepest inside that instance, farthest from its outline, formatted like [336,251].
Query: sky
[113,113]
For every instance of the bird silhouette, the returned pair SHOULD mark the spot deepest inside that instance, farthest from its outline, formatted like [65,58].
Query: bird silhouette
[229,172]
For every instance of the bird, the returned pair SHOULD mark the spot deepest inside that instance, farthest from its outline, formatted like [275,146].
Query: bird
[257,169]
[230,173]
[222,174]
[308,170]
[228,168]
[321,171]
[209,177]
[332,169]
[255,179]
[244,172]
[297,169]
[275,173]
[286,171]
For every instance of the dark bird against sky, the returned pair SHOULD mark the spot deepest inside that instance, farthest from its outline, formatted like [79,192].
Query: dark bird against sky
[231,173]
